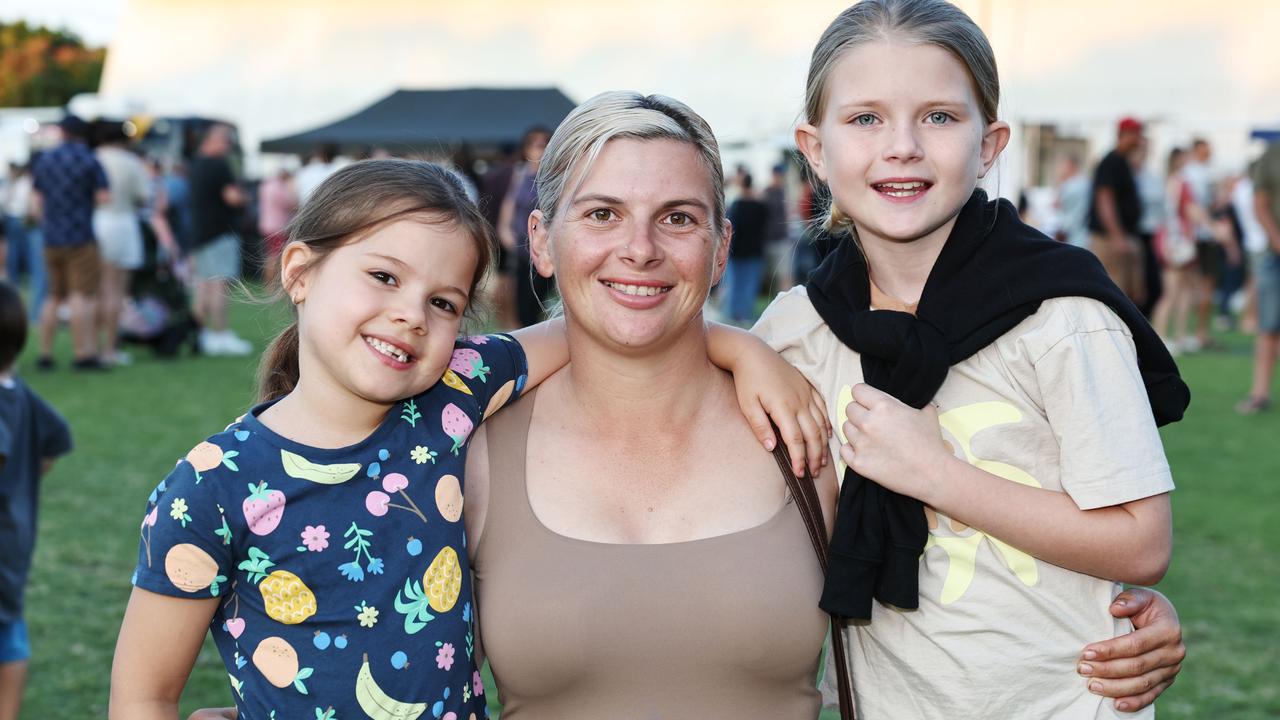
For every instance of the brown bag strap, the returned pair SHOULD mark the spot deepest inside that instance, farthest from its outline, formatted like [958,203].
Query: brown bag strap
[806,498]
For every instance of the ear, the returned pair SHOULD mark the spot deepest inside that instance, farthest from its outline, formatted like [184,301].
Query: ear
[722,253]
[540,244]
[294,261]
[994,140]
[810,144]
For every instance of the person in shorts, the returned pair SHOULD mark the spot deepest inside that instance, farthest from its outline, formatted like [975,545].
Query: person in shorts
[32,435]
[69,183]
[1266,270]
[215,201]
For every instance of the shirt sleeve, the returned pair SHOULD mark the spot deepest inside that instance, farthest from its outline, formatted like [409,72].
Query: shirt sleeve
[98,174]
[185,549]
[491,369]
[53,434]
[1266,174]
[792,327]
[1096,403]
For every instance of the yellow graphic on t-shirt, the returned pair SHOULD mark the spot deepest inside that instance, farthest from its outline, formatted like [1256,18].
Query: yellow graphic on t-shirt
[843,398]
[963,423]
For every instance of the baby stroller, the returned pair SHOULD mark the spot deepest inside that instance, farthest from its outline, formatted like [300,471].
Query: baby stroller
[158,311]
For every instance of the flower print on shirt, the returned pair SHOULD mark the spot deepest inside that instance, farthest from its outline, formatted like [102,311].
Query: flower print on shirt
[444,657]
[271,558]
[315,538]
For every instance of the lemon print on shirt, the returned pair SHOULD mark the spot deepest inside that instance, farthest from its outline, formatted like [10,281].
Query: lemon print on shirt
[963,423]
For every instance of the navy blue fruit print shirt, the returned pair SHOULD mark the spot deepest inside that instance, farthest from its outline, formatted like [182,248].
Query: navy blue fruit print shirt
[342,574]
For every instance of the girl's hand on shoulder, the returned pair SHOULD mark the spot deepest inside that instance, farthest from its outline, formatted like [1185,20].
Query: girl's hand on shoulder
[1137,667]
[892,443]
[768,387]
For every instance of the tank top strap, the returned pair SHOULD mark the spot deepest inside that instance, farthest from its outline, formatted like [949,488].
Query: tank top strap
[509,512]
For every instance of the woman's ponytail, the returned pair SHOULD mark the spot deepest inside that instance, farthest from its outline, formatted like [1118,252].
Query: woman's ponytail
[278,371]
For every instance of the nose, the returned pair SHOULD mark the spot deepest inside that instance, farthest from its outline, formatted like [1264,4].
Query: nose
[904,143]
[410,313]
[642,246]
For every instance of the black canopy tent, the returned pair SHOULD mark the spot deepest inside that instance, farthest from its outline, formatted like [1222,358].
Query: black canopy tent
[408,121]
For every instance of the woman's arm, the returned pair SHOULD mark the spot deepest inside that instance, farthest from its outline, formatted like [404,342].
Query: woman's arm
[159,640]
[546,350]
[1137,667]
[769,387]
[901,448]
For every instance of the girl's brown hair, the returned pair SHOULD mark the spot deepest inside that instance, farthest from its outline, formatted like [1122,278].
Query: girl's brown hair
[353,202]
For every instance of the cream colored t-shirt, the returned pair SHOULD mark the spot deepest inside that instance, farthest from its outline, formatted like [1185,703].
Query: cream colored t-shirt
[1057,403]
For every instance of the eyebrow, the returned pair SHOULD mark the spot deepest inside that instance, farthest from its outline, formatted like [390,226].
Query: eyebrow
[390,259]
[611,200]
[861,104]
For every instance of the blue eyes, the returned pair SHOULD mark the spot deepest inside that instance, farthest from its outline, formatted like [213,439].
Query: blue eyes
[933,118]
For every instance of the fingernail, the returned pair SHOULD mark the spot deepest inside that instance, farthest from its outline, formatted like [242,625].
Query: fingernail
[768,444]
[1090,655]
[1122,706]
[1095,687]
[1084,669]
[1121,602]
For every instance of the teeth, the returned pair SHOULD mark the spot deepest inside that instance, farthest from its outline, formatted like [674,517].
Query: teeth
[901,189]
[641,290]
[387,349]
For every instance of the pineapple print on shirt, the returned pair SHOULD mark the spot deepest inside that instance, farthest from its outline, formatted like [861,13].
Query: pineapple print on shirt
[344,590]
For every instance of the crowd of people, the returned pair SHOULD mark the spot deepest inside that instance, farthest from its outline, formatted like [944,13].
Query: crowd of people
[1193,249]
[933,313]
[124,247]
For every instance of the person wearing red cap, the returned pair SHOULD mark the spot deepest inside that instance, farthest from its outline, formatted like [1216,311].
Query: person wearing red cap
[1116,211]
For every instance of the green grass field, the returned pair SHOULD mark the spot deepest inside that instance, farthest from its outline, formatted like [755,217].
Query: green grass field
[132,425]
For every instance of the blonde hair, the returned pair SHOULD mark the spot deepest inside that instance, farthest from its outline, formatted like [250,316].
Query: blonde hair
[578,140]
[927,22]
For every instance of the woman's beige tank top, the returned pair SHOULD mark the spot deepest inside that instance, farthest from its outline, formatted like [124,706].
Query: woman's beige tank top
[722,627]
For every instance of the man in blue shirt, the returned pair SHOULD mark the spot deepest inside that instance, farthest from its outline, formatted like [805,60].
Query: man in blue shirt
[69,183]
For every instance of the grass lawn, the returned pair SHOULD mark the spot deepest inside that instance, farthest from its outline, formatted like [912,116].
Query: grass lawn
[132,425]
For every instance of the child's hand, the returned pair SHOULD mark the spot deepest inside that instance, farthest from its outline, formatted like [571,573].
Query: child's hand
[768,387]
[771,388]
[892,443]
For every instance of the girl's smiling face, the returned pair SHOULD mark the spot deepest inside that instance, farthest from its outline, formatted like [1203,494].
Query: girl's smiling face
[902,140]
[378,316]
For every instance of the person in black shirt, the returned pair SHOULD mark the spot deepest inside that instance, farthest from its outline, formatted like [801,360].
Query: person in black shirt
[1115,214]
[215,200]
[750,219]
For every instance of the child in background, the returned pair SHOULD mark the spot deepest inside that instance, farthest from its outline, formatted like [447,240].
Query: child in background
[319,536]
[1036,457]
[32,435]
